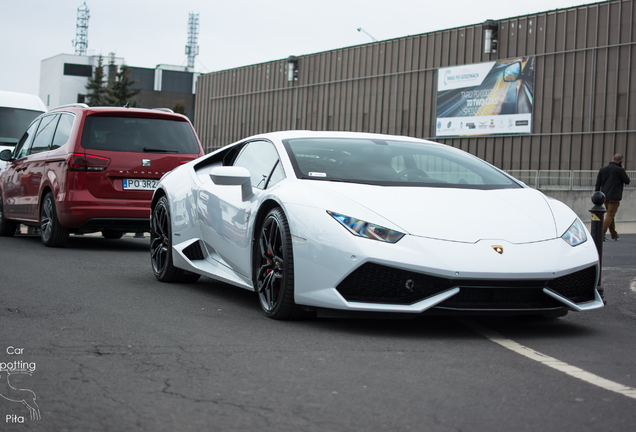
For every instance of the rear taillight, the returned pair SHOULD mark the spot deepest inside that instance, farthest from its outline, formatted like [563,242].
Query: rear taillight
[82,162]
[183,162]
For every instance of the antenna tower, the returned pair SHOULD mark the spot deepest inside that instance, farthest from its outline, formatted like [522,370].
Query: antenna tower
[81,30]
[192,49]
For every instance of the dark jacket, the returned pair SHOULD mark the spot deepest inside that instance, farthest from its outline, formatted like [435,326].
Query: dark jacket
[610,181]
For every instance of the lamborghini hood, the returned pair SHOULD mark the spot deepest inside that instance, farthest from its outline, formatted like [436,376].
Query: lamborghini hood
[462,215]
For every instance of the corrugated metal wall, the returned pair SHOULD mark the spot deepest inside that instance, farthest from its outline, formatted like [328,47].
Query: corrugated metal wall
[585,89]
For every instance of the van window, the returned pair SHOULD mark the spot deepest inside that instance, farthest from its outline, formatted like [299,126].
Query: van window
[44,135]
[25,142]
[63,131]
[13,123]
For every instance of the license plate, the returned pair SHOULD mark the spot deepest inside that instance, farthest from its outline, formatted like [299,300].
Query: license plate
[139,184]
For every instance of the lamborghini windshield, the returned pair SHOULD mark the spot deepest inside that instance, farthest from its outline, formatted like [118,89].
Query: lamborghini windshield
[392,163]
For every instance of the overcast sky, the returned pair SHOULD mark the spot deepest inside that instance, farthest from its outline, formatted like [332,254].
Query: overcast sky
[231,33]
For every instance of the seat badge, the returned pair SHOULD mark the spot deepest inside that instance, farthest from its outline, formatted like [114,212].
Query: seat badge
[145,162]
[498,249]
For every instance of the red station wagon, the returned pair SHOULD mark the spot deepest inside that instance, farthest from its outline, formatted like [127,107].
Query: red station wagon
[81,170]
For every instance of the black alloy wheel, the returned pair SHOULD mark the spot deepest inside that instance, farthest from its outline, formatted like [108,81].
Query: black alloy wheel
[7,227]
[161,247]
[274,268]
[52,233]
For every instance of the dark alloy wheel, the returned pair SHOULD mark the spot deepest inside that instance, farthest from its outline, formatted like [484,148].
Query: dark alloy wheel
[52,233]
[161,247]
[7,227]
[274,268]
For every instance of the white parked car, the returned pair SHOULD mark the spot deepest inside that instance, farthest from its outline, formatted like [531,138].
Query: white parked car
[329,222]
[17,111]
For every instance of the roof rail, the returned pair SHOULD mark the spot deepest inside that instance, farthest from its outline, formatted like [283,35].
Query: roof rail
[163,109]
[76,105]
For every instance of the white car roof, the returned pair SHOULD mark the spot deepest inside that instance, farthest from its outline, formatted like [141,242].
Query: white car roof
[22,101]
[281,135]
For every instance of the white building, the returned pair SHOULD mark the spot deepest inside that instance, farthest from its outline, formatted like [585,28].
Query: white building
[63,77]
[63,80]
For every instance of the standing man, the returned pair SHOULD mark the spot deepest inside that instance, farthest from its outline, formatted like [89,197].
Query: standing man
[610,181]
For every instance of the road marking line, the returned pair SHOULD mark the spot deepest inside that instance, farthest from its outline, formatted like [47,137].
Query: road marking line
[551,361]
[632,285]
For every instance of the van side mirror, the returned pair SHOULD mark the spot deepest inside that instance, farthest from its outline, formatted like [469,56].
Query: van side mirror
[5,155]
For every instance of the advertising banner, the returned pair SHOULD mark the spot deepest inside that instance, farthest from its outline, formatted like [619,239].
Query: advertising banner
[486,98]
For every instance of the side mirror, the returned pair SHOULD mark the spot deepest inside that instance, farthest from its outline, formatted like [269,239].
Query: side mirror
[511,72]
[233,176]
[5,155]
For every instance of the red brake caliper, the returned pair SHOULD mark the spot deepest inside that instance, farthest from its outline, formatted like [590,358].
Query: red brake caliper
[269,270]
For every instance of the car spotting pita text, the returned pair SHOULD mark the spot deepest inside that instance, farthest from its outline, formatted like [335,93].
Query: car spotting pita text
[24,396]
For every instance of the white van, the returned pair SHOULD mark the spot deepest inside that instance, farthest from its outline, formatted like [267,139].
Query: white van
[17,111]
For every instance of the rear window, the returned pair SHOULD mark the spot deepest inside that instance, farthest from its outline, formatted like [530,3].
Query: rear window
[139,135]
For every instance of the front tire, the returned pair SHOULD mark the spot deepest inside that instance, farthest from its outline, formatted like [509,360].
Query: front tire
[274,268]
[7,227]
[51,232]
[161,247]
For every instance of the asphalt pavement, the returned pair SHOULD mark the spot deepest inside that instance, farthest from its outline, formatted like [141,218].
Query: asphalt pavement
[104,346]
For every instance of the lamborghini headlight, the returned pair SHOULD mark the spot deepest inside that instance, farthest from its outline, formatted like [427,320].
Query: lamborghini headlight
[368,230]
[575,235]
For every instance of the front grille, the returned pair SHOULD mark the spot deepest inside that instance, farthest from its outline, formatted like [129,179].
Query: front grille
[375,283]
[501,298]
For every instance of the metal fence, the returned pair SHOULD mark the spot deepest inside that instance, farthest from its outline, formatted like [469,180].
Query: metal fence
[563,179]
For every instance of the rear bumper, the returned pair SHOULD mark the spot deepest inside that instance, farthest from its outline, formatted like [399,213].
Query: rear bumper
[116,224]
[99,214]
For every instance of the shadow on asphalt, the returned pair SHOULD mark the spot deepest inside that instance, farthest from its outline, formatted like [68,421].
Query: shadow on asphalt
[382,325]
[445,327]
[436,326]
[96,243]
[385,325]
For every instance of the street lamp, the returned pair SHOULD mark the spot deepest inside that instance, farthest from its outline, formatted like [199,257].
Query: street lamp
[490,28]
[366,33]
[292,68]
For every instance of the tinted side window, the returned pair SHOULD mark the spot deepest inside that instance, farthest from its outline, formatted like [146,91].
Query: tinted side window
[25,142]
[44,135]
[259,158]
[277,175]
[63,131]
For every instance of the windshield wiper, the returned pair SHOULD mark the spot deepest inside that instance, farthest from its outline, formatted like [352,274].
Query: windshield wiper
[155,150]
